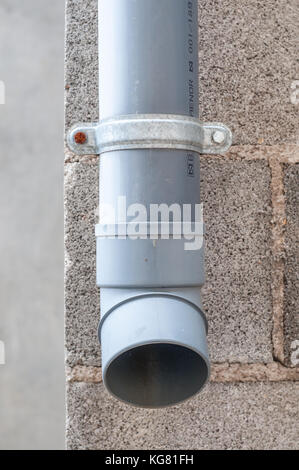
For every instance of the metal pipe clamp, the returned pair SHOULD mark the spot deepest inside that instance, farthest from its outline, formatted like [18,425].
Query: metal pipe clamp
[149,131]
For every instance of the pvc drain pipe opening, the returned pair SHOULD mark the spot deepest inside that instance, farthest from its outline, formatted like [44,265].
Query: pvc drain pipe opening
[153,331]
[156,375]
[154,348]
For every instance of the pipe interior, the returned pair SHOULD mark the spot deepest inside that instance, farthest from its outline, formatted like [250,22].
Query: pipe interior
[156,375]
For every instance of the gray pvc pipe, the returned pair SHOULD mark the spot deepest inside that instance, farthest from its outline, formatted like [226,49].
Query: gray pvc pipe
[152,329]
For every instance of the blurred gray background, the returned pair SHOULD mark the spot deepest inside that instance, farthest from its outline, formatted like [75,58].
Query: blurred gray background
[32,410]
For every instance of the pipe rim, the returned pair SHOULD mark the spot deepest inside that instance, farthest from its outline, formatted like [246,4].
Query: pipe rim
[203,358]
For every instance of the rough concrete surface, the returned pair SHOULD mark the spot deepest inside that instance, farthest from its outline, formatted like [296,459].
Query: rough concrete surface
[248,55]
[82,307]
[291,304]
[247,65]
[237,294]
[81,71]
[235,416]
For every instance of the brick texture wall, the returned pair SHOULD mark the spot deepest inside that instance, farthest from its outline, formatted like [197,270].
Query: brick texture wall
[247,67]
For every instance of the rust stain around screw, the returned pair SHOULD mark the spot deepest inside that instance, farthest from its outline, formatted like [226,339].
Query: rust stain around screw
[80,138]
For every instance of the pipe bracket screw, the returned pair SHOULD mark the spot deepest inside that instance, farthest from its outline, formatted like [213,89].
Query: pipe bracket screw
[218,137]
[80,138]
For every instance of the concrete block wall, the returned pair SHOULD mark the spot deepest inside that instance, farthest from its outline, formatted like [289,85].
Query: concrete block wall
[247,67]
